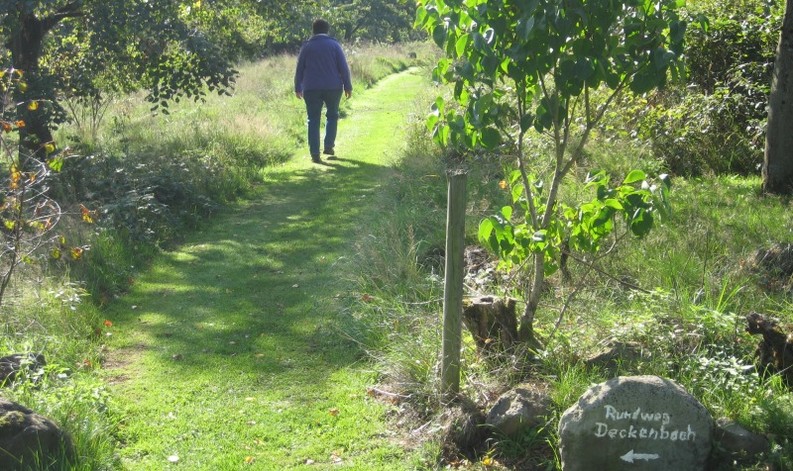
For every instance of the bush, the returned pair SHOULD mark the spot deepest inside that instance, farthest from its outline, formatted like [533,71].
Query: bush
[715,124]
[706,134]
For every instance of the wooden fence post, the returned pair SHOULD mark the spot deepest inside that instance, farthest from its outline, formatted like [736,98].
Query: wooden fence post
[453,286]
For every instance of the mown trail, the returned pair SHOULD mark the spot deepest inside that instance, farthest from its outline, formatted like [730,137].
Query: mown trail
[224,354]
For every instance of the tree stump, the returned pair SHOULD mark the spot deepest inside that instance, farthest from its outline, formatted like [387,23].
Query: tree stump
[775,351]
[492,322]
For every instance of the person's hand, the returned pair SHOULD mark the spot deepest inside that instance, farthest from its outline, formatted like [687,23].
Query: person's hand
[299,95]
[348,93]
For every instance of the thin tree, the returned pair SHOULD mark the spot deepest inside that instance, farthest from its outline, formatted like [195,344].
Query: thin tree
[539,67]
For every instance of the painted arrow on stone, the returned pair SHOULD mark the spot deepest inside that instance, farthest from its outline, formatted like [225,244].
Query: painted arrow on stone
[630,456]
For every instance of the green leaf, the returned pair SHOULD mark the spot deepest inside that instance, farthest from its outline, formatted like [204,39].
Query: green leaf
[584,68]
[601,216]
[491,138]
[525,27]
[614,204]
[486,230]
[421,16]
[515,177]
[442,134]
[441,71]
[56,164]
[506,240]
[635,200]
[596,177]
[634,176]
[462,44]
[612,78]
[703,22]
[517,192]
[459,89]
[481,43]
[677,31]
[440,105]
[644,80]
[662,58]
[491,65]
[432,121]
[641,223]
[550,268]
[439,35]
[526,122]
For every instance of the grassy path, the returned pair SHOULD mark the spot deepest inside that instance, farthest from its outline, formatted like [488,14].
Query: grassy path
[223,356]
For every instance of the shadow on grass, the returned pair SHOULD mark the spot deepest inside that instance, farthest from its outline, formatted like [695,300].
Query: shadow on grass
[255,292]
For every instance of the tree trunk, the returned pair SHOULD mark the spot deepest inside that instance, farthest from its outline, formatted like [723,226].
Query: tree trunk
[25,46]
[778,163]
[526,330]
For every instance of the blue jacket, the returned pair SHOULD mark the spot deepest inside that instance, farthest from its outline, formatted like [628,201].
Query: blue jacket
[321,65]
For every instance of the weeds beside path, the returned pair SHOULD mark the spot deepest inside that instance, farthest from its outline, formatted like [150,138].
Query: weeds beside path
[224,354]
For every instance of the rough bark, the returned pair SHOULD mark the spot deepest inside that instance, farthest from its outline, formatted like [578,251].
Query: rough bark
[778,162]
[25,48]
[492,322]
[25,45]
[775,351]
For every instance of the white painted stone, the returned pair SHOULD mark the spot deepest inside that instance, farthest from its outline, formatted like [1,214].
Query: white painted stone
[636,423]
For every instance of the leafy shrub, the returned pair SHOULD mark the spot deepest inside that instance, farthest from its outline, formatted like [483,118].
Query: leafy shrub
[150,199]
[706,134]
[715,124]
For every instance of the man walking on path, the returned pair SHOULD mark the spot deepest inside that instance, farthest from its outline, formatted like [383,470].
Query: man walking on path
[322,75]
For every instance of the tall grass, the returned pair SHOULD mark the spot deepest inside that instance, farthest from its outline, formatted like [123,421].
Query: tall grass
[55,321]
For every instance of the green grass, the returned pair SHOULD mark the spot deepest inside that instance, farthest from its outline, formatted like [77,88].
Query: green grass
[227,350]
[55,321]
[153,177]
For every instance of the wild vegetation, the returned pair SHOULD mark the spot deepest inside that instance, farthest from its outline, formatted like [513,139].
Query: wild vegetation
[680,292]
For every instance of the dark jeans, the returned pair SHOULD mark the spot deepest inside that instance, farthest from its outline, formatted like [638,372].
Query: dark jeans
[314,101]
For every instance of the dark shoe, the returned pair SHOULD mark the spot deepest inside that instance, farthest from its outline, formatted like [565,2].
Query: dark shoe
[315,158]
[329,151]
